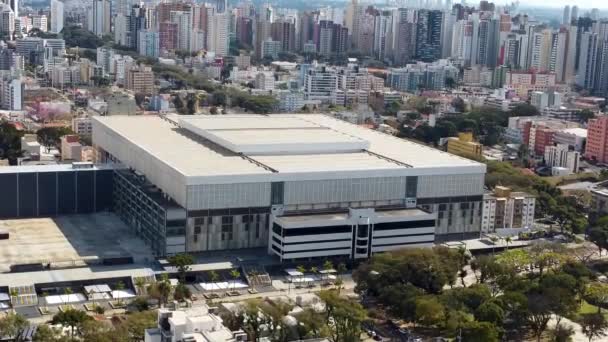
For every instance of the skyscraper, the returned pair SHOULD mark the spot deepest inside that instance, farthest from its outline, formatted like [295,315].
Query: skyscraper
[566,17]
[428,35]
[217,34]
[221,6]
[587,63]
[56,16]
[14,6]
[574,13]
[99,17]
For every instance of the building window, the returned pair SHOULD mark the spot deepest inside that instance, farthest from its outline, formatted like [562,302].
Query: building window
[197,230]
[411,186]
[227,233]
[277,192]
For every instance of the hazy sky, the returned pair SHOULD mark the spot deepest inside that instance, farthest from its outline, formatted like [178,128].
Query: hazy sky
[559,3]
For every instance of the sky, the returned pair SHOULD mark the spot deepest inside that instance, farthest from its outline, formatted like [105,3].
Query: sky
[562,3]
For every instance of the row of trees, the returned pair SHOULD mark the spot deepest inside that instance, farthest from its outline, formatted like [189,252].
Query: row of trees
[418,286]
[220,95]
[487,124]
[82,327]
[340,321]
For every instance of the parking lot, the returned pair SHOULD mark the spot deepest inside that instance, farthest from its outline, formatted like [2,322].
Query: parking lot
[66,241]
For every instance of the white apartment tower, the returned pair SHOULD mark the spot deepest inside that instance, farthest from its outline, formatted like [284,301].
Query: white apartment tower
[99,17]
[56,16]
[217,34]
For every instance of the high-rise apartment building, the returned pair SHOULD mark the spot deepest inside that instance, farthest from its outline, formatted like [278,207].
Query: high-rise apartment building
[140,80]
[99,20]
[217,34]
[56,16]
[597,140]
[566,15]
[428,35]
[587,62]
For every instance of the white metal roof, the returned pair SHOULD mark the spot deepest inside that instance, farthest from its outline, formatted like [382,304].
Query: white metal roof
[150,143]
[271,135]
[327,162]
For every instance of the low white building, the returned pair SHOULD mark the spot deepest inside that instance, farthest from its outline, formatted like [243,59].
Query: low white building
[264,81]
[561,156]
[507,209]
[192,324]
[82,126]
[574,138]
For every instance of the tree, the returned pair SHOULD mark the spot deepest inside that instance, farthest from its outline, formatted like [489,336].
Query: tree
[560,291]
[182,262]
[275,313]
[120,286]
[235,274]
[425,268]
[599,236]
[45,333]
[301,269]
[594,325]
[252,323]
[489,269]
[312,324]
[12,324]
[597,294]
[137,323]
[429,311]
[538,314]
[562,333]
[345,316]
[74,319]
[10,142]
[160,290]
[76,36]
[524,109]
[213,276]
[585,115]
[99,331]
[51,136]
[459,105]
[490,312]
[140,285]
[182,292]
[480,332]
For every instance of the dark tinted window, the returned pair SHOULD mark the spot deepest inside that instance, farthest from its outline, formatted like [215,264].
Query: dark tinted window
[404,225]
[317,230]
[8,198]
[47,193]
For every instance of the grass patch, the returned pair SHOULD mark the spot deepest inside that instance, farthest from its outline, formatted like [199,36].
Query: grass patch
[586,308]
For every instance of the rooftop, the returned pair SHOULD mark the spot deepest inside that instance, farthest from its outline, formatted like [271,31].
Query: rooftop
[68,240]
[267,147]
[53,168]
[265,135]
[579,132]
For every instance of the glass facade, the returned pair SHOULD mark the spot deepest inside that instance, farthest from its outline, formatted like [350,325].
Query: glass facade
[145,214]
[43,194]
